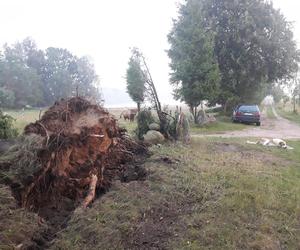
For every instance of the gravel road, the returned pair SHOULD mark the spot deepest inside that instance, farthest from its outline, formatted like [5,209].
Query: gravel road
[270,128]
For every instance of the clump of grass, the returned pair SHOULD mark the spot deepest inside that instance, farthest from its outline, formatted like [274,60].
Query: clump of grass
[7,129]
[22,159]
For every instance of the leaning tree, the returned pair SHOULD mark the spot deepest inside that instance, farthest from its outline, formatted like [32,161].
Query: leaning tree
[150,91]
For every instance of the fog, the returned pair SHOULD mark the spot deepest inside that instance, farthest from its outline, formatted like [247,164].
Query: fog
[105,30]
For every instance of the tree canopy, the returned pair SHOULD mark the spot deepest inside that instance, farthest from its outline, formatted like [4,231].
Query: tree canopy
[30,76]
[135,80]
[195,72]
[252,43]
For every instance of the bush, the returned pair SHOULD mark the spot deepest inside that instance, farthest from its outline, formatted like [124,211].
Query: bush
[7,129]
[144,119]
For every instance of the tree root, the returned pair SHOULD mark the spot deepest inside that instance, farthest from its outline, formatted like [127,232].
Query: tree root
[92,191]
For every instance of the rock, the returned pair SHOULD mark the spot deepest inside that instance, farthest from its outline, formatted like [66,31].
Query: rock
[154,126]
[154,137]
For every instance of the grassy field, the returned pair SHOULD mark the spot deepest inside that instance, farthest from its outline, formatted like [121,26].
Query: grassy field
[22,118]
[223,124]
[290,115]
[214,194]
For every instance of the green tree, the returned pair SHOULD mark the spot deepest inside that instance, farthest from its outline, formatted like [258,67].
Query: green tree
[66,75]
[254,46]
[277,92]
[7,129]
[7,98]
[195,72]
[30,76]
[18,78]
[135,80]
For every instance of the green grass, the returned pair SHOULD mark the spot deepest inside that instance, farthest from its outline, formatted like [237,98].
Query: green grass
[129,126]
[290,115]
[22,118]
[217,194]
[222,125]
[270,113]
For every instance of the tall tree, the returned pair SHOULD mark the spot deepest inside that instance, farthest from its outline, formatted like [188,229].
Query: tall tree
[254,45]
[195,72]
[18,78]
[135,80]
[30,76]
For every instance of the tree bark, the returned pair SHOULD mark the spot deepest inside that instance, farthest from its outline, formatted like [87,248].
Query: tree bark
[294,102]
[138,106]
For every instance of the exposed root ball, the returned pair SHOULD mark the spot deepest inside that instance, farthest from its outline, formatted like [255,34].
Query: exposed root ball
[81,143]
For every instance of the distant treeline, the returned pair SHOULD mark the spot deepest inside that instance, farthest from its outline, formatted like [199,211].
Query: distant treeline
[33,77]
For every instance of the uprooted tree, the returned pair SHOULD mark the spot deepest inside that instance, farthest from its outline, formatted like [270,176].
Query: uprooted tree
[75,149]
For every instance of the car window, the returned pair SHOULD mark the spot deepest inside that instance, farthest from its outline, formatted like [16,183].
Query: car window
[248,108]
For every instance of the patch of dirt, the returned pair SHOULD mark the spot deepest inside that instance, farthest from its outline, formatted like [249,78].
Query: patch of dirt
[154,230]
[166,160]
[226,147]
[246,153]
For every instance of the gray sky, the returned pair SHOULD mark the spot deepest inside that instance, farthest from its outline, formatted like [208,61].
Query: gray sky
[104,30]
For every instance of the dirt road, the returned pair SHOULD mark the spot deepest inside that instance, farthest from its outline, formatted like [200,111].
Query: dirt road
[271,128]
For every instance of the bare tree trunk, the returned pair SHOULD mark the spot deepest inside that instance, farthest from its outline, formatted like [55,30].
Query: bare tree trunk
[225,107]
[194,112]
[195,115]
[294,104]
[138,106]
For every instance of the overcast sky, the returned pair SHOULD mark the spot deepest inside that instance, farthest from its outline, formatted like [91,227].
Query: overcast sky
[105,30]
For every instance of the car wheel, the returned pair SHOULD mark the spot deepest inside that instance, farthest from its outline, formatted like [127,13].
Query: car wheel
[258,124]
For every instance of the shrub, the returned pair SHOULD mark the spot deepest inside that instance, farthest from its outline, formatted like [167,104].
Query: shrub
[7,129]
[144,119]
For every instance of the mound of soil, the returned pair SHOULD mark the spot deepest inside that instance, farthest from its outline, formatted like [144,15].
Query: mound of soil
[82,150]
[19,229]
